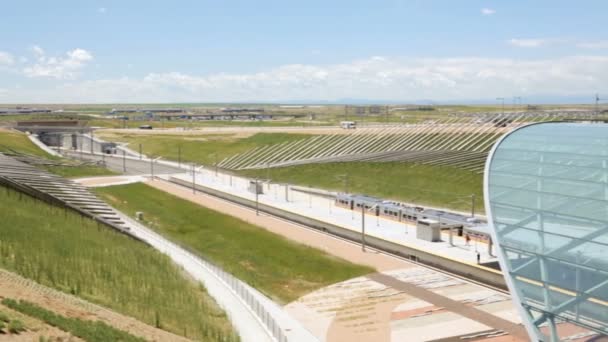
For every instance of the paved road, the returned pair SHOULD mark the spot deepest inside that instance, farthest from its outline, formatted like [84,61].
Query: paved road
[128,166]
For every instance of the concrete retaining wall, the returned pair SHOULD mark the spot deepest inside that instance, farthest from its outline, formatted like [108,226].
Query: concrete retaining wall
[467,270]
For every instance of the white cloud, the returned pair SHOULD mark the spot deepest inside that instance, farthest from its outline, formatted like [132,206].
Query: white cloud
[488,11]
[102,10]
[600,44]
[378,78]
[67,67]
[6,59]
[38,51]
[529,43]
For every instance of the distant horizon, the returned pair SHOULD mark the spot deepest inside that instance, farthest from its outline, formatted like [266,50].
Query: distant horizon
[299,52]
[362,102]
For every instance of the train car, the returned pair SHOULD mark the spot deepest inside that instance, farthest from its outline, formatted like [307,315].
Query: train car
[355,202]
[390,210]
[369,203]
[387,209]
[344,201]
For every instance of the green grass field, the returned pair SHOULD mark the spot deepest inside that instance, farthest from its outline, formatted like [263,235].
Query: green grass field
[80,171]
[19,142]
[280,268]
[63,250]
[440,186]
[201,149]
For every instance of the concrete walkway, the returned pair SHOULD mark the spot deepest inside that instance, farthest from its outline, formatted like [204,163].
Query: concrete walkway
[246,323]
[313,310]
[324,209]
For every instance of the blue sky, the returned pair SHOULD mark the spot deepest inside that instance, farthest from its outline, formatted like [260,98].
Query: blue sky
[161,51]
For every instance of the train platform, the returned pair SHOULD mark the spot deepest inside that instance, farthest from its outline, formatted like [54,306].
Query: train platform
[324,209]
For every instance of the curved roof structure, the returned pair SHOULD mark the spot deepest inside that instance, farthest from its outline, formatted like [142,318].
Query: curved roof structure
[546,189]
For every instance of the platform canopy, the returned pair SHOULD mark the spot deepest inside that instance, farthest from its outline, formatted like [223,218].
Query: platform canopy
[547,198]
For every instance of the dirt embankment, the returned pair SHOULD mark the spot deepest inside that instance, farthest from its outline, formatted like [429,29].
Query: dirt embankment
[16,287]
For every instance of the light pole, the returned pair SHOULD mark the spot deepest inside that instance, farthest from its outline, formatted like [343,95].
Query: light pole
[309,196]
[363,224]
[472,205]
[363,227]
[152,161]
[344,177]
[515,98]
[193,180]
[503,104]
[257,194]
[179,156]
[124,162]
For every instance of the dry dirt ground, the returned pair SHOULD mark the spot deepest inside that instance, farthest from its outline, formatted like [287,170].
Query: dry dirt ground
[16,287]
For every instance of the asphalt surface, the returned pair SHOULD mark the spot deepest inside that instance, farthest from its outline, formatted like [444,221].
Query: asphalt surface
[127,166]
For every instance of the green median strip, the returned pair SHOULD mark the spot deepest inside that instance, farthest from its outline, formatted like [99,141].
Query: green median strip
[282,269]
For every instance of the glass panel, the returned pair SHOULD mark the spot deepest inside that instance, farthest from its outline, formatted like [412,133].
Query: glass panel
[548,194]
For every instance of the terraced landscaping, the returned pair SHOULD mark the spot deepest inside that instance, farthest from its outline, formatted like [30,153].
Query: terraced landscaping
[65,251]
[202,149]
[441,186]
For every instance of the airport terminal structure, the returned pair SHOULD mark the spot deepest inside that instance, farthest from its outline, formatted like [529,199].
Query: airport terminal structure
[546,193]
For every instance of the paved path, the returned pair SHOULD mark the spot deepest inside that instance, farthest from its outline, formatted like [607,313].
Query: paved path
[325,210]
[245,322]
[483,320]
[452,305]
[133,166]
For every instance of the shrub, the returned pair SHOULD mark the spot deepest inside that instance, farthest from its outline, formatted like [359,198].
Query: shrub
[16,326]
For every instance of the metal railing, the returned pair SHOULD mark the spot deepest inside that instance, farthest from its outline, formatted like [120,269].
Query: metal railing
[238,287]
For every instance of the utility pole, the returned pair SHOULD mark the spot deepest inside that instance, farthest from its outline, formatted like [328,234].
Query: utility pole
[151,168]
[257,194]
[179,156]
[124,162]
[309,196]
[386,110]
[139,151]
[503,104]
[91,142]
[472,205]
[363,227]
[81,145]
[268,172]
[193,179]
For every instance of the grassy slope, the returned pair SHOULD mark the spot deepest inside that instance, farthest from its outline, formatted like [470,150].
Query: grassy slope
[280,268]
[19,142]
[447,187]
[200,149]
[10,140]
[80,171]
[422,184]
[62,250]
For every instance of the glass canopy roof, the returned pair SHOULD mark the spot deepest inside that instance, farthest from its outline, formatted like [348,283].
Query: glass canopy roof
[547,191]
